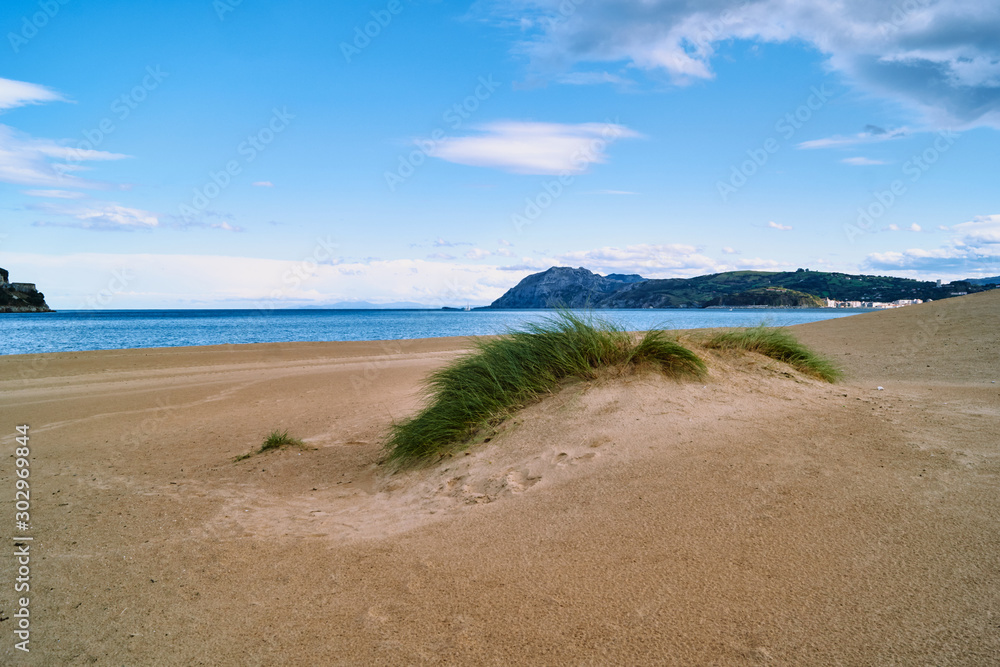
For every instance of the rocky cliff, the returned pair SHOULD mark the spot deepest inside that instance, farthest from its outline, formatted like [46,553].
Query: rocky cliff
[20,297]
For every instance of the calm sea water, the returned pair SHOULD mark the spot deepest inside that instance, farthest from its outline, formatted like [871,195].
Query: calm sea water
[65,331]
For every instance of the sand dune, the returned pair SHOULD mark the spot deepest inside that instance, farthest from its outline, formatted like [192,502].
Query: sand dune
[758,517]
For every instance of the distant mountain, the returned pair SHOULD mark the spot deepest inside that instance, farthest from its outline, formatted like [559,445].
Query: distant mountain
[580,288]
[20,297]
[995,280]
[563,286]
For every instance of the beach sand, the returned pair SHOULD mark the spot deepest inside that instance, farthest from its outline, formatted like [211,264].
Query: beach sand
[757,517]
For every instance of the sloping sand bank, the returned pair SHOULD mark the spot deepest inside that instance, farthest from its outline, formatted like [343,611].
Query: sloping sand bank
[759,517]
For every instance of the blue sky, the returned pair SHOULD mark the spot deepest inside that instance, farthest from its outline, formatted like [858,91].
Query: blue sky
[253,154]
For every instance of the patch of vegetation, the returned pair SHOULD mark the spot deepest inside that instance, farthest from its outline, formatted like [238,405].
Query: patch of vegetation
[771,297]
[778,344]
[275,440]
[503,374]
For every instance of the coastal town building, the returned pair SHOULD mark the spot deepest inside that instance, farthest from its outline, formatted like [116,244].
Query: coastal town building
[898,303]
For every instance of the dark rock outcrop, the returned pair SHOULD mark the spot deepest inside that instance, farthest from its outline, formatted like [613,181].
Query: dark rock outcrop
[20,297]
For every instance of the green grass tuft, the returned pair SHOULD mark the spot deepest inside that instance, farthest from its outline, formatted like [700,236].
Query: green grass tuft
[483,388]
[275,440]
[278,439]
[778,344]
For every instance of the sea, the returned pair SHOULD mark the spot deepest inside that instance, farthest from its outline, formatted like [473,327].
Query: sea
[81,330]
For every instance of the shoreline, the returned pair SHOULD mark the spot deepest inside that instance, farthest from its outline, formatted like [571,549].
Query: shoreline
[599,314]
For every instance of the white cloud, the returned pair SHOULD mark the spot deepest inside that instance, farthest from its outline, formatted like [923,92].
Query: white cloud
[442,243]
[915,228]
[207,219]
[102,216]
[861,161]
[730,251]
[774,225]
[533,148]
[942,58]
[263,184]
[477,253]
[673,260]
[973,251]
[19,93]
[25,160]
[984,229]
[871,135]
[652,259]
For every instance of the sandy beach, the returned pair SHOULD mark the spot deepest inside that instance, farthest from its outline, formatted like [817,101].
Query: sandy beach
[757,517]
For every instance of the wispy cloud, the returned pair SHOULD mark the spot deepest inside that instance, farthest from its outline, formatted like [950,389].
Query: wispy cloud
[25,160]
[100,216]
[862,161]
[207,219]
[19,93]
[263,184]
[442,243]
[871,135]
[534,148]
[774,225]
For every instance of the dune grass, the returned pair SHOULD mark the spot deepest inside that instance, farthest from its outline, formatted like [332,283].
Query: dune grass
[275,440]
[778,344]
[483,388]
